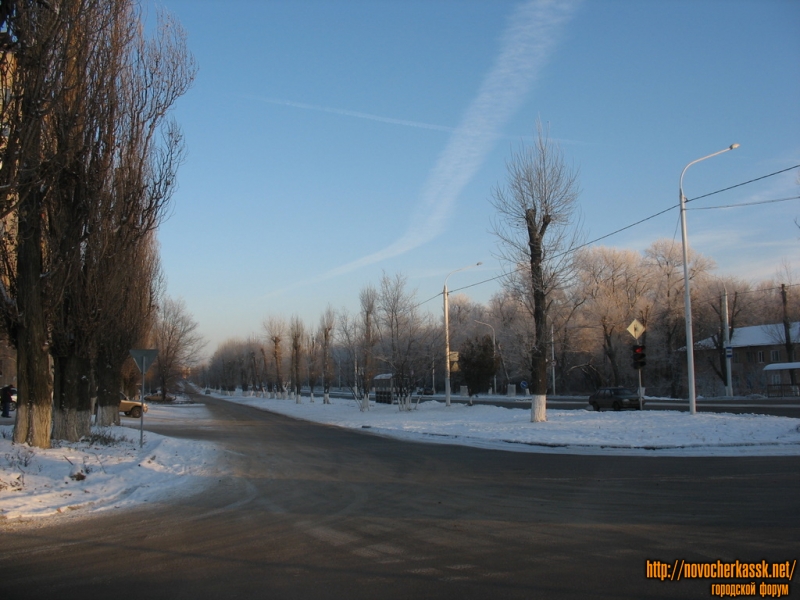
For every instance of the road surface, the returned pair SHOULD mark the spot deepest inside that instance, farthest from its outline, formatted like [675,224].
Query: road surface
[307,511]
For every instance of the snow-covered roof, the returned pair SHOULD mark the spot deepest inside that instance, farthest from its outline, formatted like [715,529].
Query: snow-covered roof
[782,366]
[757,335]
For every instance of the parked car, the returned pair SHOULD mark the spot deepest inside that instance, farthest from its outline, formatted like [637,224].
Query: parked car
[131,408]
[618,398]
[156,397]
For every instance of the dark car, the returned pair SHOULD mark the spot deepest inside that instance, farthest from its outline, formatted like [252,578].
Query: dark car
[618,398]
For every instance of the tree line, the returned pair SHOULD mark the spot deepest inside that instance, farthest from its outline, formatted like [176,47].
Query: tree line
[588,345]
[89,156]
[559,321]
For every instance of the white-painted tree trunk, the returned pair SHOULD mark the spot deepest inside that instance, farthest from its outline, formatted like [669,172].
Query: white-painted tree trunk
[539,408]
[107,416]
[326,399]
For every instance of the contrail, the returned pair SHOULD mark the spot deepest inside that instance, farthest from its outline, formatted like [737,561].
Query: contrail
[527,43]
[353,113]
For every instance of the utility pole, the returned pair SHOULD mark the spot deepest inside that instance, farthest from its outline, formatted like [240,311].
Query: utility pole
[728,349]
[553,358]
[787,333]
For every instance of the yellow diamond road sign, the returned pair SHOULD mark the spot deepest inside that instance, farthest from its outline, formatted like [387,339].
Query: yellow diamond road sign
[636,329]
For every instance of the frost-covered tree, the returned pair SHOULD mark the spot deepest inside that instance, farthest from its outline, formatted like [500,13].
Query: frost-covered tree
[535,209]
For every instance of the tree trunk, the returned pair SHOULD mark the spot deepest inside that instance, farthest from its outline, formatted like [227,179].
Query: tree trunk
[539,408]
[538,384]
[72,399]
[611,354]
[109,384]
[34,412]
[65,389]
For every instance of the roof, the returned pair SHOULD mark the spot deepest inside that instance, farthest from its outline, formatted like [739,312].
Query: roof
[757,335]
[782,366]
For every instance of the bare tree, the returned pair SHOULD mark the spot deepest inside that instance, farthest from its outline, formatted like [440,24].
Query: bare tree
[535,209]
[327,323]
[114,189]
[128,317]
[312,363]
[402,331]
[615,285]
[275,328]
[709,320]
[368,298]
[34,65]
[349,338]
[297,332]
[177,340]
[667,325]
[87,97]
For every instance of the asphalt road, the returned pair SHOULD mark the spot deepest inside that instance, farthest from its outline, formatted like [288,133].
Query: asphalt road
[306,511]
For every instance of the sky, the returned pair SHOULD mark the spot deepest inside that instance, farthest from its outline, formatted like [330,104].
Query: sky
[84,478]
[330,142]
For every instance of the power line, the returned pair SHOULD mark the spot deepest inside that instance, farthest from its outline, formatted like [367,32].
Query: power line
[746,203]
[710,298]
[575,249]
[743,183]
[429,299]
[639,222]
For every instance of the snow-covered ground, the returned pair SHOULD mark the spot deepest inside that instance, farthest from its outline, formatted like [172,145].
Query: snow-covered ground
[108,472]
[650,433]
[96,475]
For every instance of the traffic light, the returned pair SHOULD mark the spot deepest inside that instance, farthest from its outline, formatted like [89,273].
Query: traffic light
[638,356]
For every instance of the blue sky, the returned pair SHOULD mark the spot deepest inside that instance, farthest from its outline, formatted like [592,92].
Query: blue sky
[330,141]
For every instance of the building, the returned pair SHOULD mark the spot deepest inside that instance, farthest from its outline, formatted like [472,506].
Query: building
[755,348]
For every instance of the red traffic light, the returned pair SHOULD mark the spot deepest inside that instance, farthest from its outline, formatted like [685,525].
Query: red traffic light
[638,356]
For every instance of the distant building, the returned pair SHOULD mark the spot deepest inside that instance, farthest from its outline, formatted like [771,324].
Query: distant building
[753,349]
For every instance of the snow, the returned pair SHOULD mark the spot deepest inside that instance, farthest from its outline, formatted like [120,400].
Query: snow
[94,476]
[91,476]
[647,433]
[755,335]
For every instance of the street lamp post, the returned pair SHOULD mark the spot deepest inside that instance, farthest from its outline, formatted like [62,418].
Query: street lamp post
[494,352]
[687,300]
[447,333]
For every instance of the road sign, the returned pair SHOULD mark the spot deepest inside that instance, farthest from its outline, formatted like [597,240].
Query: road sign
[728,351]
[523,385]
[636,329]
[144,359]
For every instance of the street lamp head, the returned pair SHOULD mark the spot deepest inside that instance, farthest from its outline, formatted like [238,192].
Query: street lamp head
[733,147]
